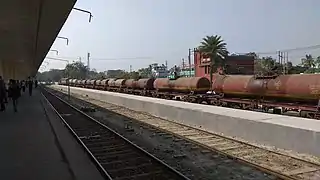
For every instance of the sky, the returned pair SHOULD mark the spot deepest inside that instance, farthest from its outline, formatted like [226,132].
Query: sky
[141,32]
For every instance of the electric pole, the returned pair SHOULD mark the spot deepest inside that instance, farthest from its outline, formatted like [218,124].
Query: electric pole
[183,63]
[287,62]
[166,63]
[189,59]
[88,60]
[130,68]
[280,57]
[194,60]
[286,59]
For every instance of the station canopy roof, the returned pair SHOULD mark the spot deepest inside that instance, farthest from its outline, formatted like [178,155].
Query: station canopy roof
[28,29]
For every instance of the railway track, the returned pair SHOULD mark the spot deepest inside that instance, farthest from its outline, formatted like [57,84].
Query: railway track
[116,157]
[278,164]
[281,165]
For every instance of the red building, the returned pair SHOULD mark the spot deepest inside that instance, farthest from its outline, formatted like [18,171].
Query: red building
[240,64]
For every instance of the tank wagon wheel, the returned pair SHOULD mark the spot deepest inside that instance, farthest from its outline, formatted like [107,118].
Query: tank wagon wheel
[214,102]
[302,113]
[307,114]
[277,111]
[265,109]
[208,102]
[247,107]
[310,115]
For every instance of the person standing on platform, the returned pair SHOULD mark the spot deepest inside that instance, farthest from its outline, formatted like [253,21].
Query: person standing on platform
[23,85]
[35,83]
[2,94]
[14,93]
[30,86]
[19,87]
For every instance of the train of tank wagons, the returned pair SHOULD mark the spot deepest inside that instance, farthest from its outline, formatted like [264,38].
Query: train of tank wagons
[279,93]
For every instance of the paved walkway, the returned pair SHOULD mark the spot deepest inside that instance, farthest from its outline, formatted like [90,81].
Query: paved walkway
[30,148]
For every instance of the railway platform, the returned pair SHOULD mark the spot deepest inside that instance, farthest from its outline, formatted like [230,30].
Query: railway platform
[36,145]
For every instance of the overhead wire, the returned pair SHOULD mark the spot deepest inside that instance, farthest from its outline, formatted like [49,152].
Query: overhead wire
[98,59]
[149,58]
[290,50]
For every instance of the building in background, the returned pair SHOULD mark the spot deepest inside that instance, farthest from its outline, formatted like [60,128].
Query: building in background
[237,64]
[186,70]
[113,73]
[159,71]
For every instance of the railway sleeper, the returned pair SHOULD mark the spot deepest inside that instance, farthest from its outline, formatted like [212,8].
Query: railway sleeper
[110,141]
[106,157]
[118,153]
[158,175]
[91,137]
[200,137]
[103,144]
[301,171]
[229,148]
[111,150]
[255,155]
[130,167]
[308,175]
[211,142]
[108,148]
[129,160]
[241,152]
[147,171]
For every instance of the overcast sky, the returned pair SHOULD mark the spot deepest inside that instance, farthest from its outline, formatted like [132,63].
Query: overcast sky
[121,31]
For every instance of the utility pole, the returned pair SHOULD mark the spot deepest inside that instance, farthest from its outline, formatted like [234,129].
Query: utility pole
[282,61]
[286,60]
[166,63]
[130,68]
[183,62]
[88,60]
[195,59]
[280,58]
[189,59]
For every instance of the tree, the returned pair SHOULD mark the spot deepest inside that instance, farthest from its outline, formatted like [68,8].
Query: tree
[145,72]
[134,75]
[51,75]
[215,48]
[77,70]
[317,62]
[253,54]
[308,61]
[268,63]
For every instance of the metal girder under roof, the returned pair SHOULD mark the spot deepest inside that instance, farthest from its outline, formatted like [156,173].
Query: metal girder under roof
[28,28]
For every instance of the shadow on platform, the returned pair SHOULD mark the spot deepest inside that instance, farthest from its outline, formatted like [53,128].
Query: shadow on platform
[30,147]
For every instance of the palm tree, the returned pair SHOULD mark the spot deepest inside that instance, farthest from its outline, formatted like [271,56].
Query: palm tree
[215,48]
[317,62]
[268,63]
[308,61]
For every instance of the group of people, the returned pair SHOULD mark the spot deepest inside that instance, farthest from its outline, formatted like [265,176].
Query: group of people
[12,91]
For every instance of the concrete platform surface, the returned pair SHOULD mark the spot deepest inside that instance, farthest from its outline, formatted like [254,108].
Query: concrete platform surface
[291,133]
[35,145]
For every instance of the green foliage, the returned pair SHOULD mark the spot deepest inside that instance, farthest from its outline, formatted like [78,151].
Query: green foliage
[51,75]
[78,70]
[215,48]
[145,72]
[265,65]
